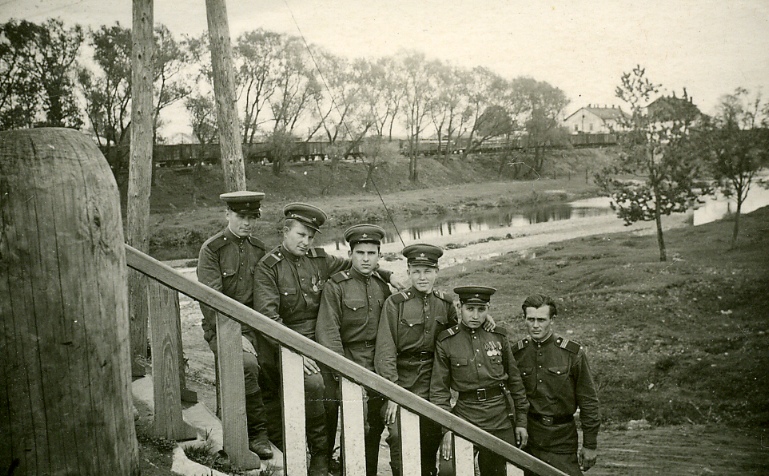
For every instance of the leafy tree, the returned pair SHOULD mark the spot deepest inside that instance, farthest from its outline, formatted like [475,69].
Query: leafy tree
[538,106]
[19,88]
[737,146]
[377,150]
[283,146]
[296,85]
[419,93]
[170,83]
[654,174]
[383,92]
[448,108]
[37,63]
[202,112]
[257,56]
[486,89]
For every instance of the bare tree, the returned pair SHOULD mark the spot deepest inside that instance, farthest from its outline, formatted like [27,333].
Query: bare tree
[296,86]
[486,89]
[419,93]
[257,56]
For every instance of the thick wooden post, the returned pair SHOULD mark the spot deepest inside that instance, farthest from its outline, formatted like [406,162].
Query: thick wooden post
[140,171]
[353,428]
[65,387]
[230,140]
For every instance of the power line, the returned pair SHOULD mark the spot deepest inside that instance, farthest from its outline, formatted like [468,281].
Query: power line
[344,123]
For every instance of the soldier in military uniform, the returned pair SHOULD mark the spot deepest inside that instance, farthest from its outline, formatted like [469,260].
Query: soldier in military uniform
[405,343]
[557,378]
[348,320]
[288,284]
[226,263]
[479,366]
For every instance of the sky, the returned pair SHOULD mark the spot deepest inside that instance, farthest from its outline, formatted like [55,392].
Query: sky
[710,47]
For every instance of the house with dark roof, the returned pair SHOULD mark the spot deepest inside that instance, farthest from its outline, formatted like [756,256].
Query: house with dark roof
[594,120]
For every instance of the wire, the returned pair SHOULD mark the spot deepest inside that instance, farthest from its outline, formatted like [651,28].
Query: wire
[344,123]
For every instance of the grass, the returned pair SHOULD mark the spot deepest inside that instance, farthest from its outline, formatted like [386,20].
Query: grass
[681,341]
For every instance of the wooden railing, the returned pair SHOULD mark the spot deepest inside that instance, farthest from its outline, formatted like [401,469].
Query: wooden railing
[168,415]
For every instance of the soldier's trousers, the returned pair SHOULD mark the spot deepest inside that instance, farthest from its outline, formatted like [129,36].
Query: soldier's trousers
[256,417]
[430,437]
[490,463]
[566,462]
[374,407]
[315,414]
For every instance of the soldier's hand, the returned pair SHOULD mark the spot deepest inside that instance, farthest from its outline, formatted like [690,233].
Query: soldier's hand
[399,284]
[310,367]
[521,436]
[447,446]
[391,413]
[490,324]
[586,458]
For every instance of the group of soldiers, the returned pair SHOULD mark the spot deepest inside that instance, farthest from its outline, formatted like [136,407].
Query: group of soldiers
[524,393]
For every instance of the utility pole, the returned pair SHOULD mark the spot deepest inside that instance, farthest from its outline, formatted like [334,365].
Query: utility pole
[224,90]
[140,173]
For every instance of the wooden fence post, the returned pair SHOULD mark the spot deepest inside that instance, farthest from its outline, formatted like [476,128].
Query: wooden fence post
[65,363]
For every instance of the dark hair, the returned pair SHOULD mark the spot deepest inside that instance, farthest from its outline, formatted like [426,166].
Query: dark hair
[538,300]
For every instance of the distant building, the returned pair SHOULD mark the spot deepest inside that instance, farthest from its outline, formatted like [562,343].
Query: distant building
[595,120]
[668,108]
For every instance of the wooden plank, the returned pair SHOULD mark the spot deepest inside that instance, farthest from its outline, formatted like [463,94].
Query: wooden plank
[513,470]
[164,314]
[464,457]
[229,352]
[411,461]
[353,429]
[298,343]
[294,431]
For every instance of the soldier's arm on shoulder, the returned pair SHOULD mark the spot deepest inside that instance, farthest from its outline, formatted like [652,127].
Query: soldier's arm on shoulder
[385,352]
[514,380]
[328,325]
[334,264]
[266,292]
[440,380]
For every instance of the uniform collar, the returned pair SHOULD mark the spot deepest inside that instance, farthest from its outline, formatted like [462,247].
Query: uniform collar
[419,293]
[467,329]
[546,341]
[232,236]
[357,275]
[290,256]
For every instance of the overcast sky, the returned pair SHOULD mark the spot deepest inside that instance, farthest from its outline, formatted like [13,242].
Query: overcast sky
[708,46]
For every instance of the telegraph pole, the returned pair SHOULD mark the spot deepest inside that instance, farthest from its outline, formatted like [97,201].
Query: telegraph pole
[224,89]
[140,172]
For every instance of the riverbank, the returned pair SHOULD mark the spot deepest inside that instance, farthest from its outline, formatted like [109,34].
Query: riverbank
[186,209]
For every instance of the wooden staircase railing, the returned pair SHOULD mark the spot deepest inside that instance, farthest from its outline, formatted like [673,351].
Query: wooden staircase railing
[168,417]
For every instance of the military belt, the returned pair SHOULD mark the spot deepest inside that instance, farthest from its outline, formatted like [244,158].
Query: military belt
[360,343]
[551,419]
[422,356]
[481,394]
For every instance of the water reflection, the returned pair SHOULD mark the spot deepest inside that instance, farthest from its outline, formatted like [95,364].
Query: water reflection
[476,223]
[718,207]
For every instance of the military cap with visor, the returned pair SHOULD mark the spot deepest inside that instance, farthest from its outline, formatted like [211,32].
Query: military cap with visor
[364,233]
[422,254]
[244,202]
[474,294]
[308,215]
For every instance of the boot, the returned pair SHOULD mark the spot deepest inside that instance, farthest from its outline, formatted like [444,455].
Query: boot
[257,428]
[317,440]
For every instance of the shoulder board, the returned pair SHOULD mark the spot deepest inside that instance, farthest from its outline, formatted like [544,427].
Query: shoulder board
[378,276]
[257,242]
[521,344]
[340,276]
[402,296]
[218,242]
[500,330]
[273,258]
[567,344]
[451,331]
[317,253]
[443,296]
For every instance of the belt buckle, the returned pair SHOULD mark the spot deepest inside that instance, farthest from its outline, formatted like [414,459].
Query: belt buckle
[481,394]
[547,420]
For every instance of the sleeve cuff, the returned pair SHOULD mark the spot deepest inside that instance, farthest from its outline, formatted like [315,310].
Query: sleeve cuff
[590,441]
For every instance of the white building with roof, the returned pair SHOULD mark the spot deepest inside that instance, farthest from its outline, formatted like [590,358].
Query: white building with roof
[595,120]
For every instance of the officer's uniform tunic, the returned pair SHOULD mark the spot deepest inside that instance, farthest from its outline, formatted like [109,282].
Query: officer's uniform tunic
[226,263]
[477,364]
[557,378]
[467,360]
[405,346]
[348,320]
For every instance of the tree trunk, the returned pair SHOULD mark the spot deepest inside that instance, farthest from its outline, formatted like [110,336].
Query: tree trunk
[224,89]
[65,372]
[140,173]
[736,230]
[658,221]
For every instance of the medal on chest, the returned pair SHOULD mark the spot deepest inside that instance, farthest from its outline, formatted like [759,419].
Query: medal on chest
[493,348]
[315,287]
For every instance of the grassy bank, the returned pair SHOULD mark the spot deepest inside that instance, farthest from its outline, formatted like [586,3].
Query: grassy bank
[185,204]
[682,341]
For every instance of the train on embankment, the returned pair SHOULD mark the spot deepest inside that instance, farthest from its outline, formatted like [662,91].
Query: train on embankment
[188,155]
